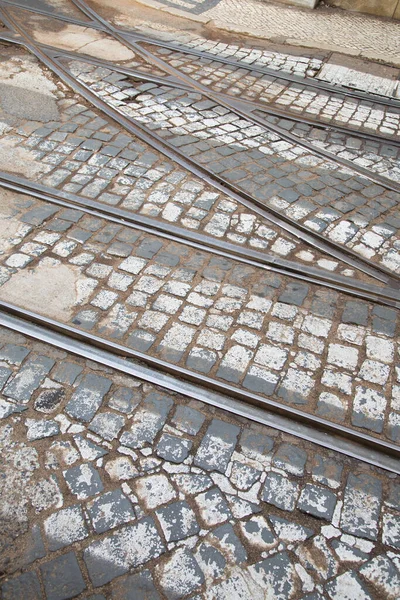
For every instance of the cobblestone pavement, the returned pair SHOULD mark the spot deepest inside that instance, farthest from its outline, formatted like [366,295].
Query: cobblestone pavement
[83,153]
[355,34]
[304,346]
[327,198]
[295,97]
[118,489]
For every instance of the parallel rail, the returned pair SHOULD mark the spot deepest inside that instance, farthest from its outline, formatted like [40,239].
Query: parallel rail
[333,436]
[366,291]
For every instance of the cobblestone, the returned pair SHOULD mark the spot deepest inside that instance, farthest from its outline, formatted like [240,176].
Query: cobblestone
[244,498]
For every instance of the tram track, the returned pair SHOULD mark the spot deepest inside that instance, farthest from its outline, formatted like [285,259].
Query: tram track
[314,239]
[287,419]
[383,295]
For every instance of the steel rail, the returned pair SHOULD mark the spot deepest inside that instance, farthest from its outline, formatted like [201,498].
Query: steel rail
[189,383]
[235,105]
[252,104]
[312,238]
[366,291]
[334,88]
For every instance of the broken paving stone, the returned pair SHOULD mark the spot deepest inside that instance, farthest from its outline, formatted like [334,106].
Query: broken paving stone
[28,378]
[382,574]
[147,421]
[349,586]
[288,531]
[391,530]
[48,400]
[276,574]
[61,454]
[243,476]
[107,425]
[178,521]
[192,483]
[65,527]
[172,448]
[121,469]
[83,481]
[180,575]
[217,446]
[258,533]
[229,543]
[88,449]
[154,490]
[241,508]
[8,408]
[109,510]
[213,507]
[317,501]
[39,429]
[280,491]
[211,561]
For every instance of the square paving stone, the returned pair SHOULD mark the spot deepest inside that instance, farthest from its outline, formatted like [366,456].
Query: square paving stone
[188,419]
[347,585]
[62,578]
[65,527]
[107,425]
[131,546]
[124,399]
[361,506]
[277,574]
[173,448]
[213,507]
[326,471]
[178,521]
[280,491]
[290,458]
[109,510]
[217,446]
[147,421]
[317,501]
[24,587]
[136,587]
[83,481]
[180,575]
[88,397]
